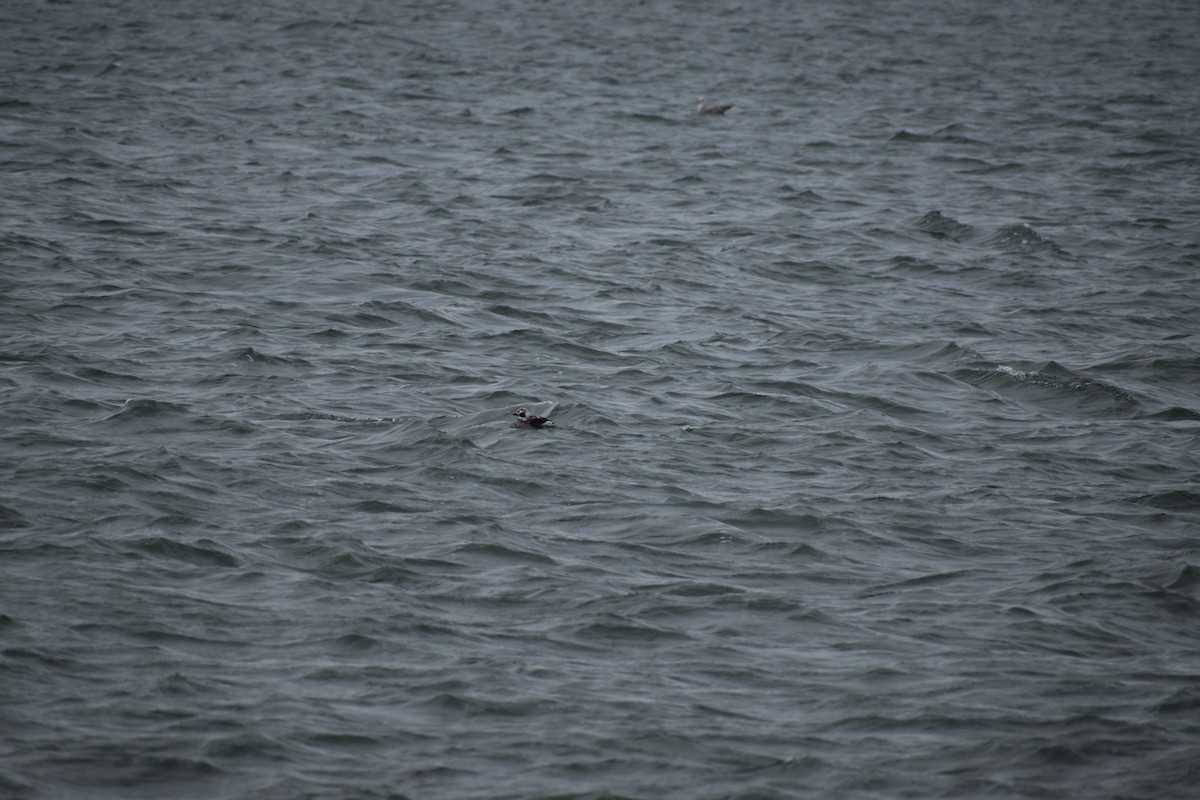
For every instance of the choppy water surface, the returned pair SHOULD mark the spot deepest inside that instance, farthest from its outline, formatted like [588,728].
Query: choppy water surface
[876,466]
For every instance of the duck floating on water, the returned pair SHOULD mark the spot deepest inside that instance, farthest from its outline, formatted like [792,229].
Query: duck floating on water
[704,108]
[524,420]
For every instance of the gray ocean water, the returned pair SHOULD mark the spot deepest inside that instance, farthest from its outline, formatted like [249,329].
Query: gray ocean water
[876,467]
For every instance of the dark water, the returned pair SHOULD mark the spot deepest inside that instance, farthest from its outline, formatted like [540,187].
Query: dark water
[877,464]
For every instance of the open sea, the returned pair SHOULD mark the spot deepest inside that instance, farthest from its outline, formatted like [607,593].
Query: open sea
[876,464]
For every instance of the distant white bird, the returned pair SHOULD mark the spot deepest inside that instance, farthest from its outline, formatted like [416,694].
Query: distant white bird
[704,108]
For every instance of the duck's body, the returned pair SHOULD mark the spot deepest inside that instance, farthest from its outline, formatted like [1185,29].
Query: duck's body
[704,108]
[524,420]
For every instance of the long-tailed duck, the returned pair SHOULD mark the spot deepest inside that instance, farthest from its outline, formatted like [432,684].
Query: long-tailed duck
[526,421]
[704,108]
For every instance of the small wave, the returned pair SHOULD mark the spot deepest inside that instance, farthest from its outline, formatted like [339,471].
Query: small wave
[310,26]
[615,628]
[699,589]
[1023,238]
[1180,701]
[30,245]
[1187,577]
[1175,414]
[909,136]
[242,354]
[204,553]
[475,706]
[985,168]
[917,266]
[920,581]
[307,416]
[11,518]
[160,416]
[356,642]
[393,574]
[937,224]
[244,746]
[641,116]
[947,134]
[496,553]
[381,507]
[38,658]
[149,409]
[1175,499]
[1051,382]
